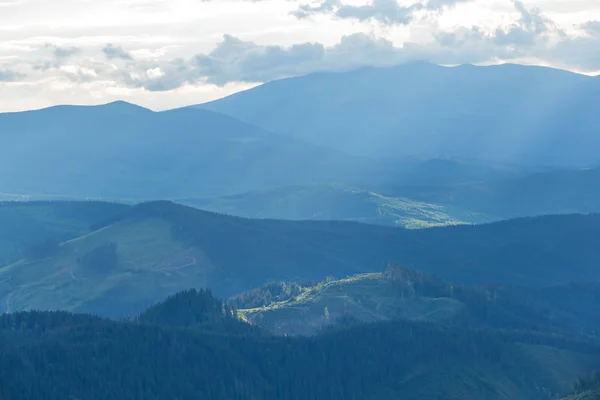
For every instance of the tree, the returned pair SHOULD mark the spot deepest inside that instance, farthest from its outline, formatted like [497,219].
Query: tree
[100,259]
[43,249]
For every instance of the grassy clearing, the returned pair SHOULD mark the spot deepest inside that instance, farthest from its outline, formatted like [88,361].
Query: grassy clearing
[365,297]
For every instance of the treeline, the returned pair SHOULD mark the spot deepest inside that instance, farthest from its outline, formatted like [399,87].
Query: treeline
[587,383]
[189,356]
[267,294]
[197,309]
[548,309]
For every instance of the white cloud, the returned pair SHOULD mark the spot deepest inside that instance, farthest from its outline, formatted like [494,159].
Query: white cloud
[149,50]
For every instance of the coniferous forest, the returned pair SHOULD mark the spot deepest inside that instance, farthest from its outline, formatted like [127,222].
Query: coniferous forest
[193,346]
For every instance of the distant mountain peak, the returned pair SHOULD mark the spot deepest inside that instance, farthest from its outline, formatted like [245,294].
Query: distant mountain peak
[122,105]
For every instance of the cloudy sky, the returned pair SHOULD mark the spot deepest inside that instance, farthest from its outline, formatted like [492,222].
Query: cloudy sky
[169,53]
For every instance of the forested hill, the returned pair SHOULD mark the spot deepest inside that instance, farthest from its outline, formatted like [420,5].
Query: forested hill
[514,252]
[26,226]
[155,249]
[46,356]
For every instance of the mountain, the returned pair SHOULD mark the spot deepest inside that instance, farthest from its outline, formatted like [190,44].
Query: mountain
[27,226]
[155,249]
[46,355]
[507,113]
[402,293]
[121,151]
[332,202]
[550,192]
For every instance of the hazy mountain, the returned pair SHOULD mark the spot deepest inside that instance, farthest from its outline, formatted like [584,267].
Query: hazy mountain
[156,249]
[421,204]
[552,192]
[509,113]
[120,150]
[332,202]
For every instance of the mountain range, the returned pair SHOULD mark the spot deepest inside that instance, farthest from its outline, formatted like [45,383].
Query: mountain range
[506,113]
[411,232]
[123,151]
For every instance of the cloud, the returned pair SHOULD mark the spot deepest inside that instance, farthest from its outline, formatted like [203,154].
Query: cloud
[592,28]
[10,76]
[532,26]
[440,4]
[386,12]
[531,36]
[64,52]
[113,52]
[9,3]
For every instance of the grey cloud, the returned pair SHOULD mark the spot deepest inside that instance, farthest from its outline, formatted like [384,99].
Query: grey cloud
[61,53]
[237,60]
[65,52]
[581,53]
[529,37]
[531,26]
[387,12]
[592,28]
[440,4]
[46,65]
[327,6]
[113,52]
[10,76]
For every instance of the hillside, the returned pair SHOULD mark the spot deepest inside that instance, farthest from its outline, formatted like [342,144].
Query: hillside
[44,352]
[551,192]
[333,202]
[122,151]
[418,202]
[402,293]
[587,388]
[593,394]
[25,225]
[507,113]
[156,249]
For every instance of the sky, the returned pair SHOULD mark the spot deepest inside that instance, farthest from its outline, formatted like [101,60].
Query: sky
[164,54]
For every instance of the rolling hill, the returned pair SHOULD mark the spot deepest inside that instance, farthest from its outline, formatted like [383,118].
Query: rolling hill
[399,203]
[507,113]
[170,356]
[27,224]
[402,293]
[122,151]
[156,249]
[333,202]
[550,192]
